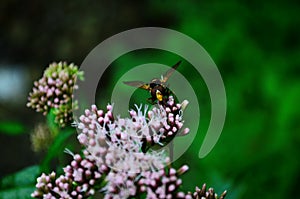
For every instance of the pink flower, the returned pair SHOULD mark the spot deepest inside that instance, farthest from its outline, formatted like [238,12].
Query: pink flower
[54,91]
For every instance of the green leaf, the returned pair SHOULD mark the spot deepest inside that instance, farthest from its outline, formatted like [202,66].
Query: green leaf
[17,193]
[21,178]
[20,184]
[11,128]
[80,75]
[51,122]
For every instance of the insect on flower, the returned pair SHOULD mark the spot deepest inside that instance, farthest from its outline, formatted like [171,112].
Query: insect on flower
[157,87]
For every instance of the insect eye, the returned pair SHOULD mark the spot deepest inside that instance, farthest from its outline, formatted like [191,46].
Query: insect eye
[152,85]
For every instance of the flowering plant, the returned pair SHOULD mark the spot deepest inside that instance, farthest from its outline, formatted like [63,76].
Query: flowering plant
[54,91]
[118,159]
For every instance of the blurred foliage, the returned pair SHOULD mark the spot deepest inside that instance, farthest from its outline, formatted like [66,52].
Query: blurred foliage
[19,185]
[255,45]
[11,128]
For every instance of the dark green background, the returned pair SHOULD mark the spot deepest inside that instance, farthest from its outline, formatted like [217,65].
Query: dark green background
[255,45]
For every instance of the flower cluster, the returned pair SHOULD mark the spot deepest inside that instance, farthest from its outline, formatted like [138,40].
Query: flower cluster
[147,128]
[114,161]
[48,186]
[162,183]
[204,194]
[54,91]
[117,143]
[171,124]
[80,180]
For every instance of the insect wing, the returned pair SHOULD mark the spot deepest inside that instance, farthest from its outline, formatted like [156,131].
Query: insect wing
[168,74]
[138,84]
